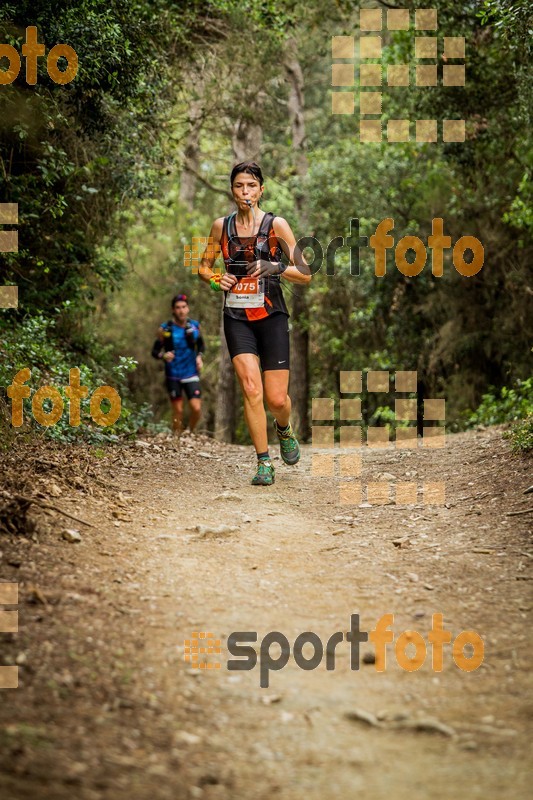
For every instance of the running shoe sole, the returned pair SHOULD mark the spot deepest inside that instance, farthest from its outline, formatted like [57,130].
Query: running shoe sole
[289,458]
[262,482]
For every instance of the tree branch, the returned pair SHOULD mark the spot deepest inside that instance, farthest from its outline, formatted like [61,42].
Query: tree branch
[209,185]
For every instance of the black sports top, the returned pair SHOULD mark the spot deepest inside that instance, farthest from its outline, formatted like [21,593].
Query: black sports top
[265,296]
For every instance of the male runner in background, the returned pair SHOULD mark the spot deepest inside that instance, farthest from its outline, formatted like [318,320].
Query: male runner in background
[180,345]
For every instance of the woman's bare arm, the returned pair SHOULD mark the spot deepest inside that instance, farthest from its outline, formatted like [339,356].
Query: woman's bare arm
[211,253]
[298,270]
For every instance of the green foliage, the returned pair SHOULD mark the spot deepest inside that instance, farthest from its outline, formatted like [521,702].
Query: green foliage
[512,18]
[72,155]
[506,405]
[520,214]
[35,345]
[97,167]
[460,334]
[77,158]
[521,436]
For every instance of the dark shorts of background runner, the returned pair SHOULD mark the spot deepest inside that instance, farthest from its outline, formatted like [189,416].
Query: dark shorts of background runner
[175,388]
[267,338]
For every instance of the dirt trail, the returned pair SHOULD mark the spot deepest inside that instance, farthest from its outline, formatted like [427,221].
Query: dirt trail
[108,708]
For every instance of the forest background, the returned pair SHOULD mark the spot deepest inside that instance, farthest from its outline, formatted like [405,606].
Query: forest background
[116,172]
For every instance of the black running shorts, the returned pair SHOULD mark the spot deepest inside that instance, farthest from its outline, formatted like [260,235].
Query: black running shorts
[267,338]
[175,388]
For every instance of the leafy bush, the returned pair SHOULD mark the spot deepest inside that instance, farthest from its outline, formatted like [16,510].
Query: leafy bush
[36,345]
[521,436]
[507,405]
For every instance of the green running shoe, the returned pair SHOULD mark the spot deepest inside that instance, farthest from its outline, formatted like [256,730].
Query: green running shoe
[288,446]
[265,475]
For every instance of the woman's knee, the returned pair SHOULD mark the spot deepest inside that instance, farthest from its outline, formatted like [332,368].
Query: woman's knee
[252,388]
[276,402]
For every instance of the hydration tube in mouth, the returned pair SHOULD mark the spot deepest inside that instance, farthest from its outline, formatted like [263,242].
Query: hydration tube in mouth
[250,206]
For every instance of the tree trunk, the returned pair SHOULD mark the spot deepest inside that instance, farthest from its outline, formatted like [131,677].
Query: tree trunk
[299,383]
[191,155]
[299,387]
[247,139]
[225,411]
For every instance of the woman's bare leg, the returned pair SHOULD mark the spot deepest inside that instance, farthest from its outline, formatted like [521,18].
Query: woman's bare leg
[276,382]
[249,375]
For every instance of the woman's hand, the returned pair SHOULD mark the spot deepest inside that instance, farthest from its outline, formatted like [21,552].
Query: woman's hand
[227,281]
[261,268]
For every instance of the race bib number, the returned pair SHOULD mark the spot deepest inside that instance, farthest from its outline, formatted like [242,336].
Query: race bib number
[246,293]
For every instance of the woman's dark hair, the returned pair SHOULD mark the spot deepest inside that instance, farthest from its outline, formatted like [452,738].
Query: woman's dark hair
[247,166]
